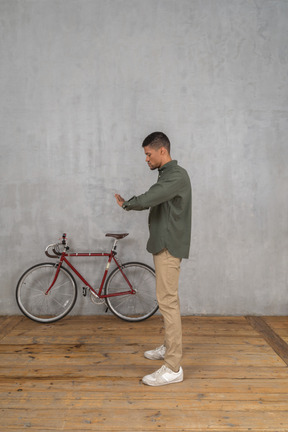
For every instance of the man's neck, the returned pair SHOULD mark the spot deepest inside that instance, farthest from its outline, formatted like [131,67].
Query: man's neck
[165,160]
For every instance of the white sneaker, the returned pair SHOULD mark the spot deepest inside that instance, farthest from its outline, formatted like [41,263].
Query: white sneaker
[163,376]
[156,354]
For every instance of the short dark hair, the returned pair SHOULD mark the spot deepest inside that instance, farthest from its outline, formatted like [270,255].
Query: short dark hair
[157,140]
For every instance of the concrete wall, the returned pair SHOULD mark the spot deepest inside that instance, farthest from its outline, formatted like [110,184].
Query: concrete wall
[84,81]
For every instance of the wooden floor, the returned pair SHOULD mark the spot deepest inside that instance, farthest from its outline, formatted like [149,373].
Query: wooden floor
[84,374]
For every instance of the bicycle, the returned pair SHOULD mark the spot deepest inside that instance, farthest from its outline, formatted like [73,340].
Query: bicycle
[47,292]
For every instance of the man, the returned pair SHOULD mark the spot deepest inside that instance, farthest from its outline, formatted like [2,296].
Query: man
[169,201]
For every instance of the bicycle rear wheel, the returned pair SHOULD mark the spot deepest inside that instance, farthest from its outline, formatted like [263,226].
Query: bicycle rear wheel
[32,298]
[132,307]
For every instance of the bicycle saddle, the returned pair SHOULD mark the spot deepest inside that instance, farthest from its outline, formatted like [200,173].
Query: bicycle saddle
[117,236]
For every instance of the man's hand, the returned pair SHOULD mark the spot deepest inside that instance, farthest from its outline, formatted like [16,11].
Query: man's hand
[119,199]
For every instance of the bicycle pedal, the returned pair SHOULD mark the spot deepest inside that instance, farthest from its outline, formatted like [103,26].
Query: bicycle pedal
[84,291]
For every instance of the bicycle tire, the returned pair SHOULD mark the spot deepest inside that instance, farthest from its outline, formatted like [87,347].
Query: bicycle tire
[132,307]
[31,288]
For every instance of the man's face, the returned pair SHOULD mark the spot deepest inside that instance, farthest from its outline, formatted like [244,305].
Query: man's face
[153,157]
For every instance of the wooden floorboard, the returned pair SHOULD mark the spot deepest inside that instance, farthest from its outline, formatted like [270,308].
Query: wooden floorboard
[84,374]
[272,338]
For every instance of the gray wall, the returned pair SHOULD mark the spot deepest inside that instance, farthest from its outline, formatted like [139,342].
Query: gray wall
[84,81]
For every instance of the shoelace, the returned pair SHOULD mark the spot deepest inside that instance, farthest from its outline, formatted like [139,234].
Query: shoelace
[162,369]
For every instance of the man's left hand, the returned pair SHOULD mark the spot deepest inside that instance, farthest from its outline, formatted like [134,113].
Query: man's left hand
[119,199]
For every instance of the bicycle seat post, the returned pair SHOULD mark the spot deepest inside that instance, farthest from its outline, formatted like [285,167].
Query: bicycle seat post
[114,246]
[116,237]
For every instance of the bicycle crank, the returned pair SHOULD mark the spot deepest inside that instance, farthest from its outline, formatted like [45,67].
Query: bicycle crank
[95,299]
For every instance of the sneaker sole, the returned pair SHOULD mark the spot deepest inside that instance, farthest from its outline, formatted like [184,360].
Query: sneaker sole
[154,384]
[153,358]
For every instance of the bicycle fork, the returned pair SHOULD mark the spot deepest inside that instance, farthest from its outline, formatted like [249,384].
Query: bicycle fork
[59,264]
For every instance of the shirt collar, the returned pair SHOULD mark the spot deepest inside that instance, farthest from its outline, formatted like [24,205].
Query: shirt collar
[168,165]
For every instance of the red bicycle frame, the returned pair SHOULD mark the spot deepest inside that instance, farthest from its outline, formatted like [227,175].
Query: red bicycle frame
[110,255]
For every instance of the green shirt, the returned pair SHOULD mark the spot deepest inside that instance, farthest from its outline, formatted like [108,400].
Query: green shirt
[170,202]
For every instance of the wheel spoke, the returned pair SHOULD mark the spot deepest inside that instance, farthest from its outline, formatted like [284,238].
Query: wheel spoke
[137,306]
[38,304]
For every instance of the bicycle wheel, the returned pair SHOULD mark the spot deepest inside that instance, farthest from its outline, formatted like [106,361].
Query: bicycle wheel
[132,307]
[41,307]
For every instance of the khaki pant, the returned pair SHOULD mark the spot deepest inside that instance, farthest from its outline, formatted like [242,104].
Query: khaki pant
[167,270]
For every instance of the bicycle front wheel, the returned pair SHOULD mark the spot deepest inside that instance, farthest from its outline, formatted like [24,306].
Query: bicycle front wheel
[33,299]
[132,307]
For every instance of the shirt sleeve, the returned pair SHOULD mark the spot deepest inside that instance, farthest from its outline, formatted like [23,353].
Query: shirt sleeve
[164,190]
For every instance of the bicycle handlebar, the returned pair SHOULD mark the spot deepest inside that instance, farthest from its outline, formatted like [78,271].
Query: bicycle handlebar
[55,248]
